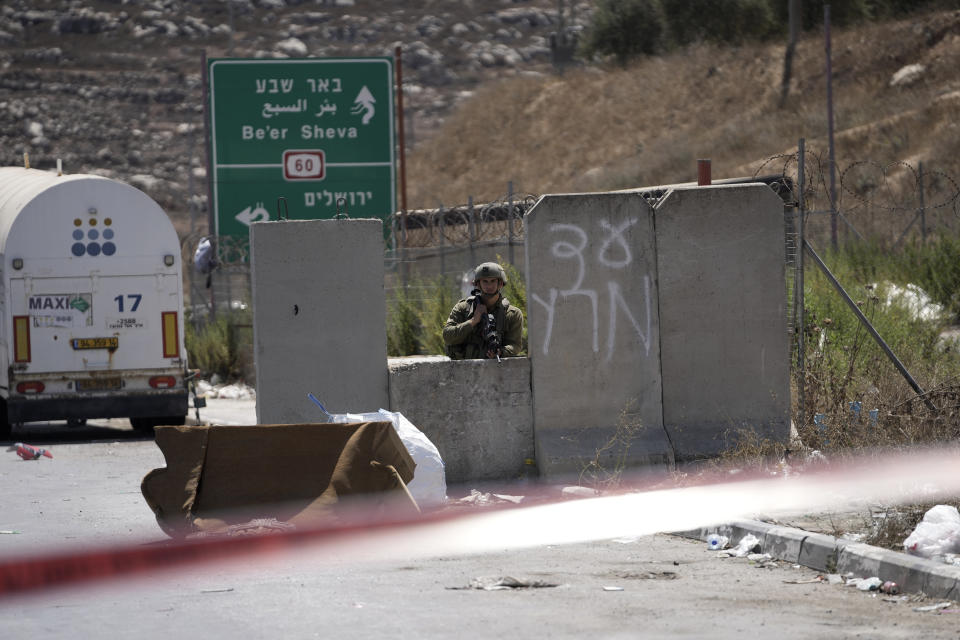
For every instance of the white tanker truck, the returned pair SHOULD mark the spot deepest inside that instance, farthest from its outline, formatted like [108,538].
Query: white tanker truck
[91,303]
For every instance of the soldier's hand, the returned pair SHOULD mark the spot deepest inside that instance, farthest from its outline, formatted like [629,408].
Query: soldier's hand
[478,314]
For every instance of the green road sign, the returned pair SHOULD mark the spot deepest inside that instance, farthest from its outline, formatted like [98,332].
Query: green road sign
[316,131]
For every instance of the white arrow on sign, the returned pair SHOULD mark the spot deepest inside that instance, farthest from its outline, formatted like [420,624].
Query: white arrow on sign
[257,214]
[363,102]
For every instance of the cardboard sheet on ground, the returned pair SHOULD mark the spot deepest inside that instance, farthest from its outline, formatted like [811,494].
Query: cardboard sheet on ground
[218,476]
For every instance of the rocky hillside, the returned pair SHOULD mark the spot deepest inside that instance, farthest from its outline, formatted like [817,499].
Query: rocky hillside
[114,86]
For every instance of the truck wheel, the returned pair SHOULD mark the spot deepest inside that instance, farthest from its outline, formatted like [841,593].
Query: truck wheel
[6,429]
[145,425]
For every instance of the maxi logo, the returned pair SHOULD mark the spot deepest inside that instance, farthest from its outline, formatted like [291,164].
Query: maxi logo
[614,253]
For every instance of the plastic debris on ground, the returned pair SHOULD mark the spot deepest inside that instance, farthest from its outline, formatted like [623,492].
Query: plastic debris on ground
[578,492]
[429,484]
[505,583]
[29,452]
[748,544]
[934,607]
[866,584]
[238,391]
[481,499]
[716,542]
[937,534]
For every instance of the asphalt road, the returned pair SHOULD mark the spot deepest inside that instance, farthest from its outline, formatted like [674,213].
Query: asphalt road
[88,496]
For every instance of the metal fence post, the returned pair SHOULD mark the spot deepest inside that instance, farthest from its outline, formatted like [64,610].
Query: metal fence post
[798,304]
[472,230]
[510,222]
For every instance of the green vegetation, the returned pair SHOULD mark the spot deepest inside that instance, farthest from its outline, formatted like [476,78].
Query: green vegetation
[844,365]
[416,314]
[222,346]
[627,29]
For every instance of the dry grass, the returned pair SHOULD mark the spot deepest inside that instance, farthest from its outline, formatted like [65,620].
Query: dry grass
[600,128]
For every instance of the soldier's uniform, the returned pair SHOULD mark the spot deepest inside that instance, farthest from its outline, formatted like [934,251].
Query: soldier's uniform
[465,342]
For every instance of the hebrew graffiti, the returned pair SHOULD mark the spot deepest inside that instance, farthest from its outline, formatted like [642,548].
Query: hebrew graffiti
[613,253]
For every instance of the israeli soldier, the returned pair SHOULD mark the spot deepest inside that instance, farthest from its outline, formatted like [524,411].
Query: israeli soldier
[464,332]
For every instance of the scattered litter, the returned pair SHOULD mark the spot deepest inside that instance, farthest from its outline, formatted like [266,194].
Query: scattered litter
[484,499]
[224,590]
[429,484]
[951,558]
[644,575]
[716,542]
[869,584]
[810,581]
[613,588]
[578,492]
[506,582]
[834,578]
[8,532]
[937,534]
[890,587]
[626,539]
[759,557]
[28,452]
[257,526]
[748,544]
[934,607]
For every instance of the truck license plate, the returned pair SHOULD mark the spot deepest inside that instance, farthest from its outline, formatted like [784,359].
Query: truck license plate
[99,384]
[96,343]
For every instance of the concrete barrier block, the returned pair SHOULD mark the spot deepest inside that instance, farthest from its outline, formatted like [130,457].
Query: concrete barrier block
[593,328]
[862,560]
[478,413]
[318,316]
[942,581]
[819,552]
[723,331]
[783,543]
[909,572]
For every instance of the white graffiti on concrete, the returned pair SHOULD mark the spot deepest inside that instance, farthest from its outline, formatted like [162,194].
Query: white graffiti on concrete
[613,243]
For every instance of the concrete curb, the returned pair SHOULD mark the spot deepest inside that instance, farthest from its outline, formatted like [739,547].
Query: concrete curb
[835,555]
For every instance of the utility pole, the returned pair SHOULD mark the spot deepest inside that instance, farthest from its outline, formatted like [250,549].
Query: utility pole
[794,27]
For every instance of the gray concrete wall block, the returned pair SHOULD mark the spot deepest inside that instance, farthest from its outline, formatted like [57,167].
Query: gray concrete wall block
[478,413]
[593,324]
[820,552]
[724,344]
[784,543]
[909,572]
[318,315]
[942,581]
[860,559]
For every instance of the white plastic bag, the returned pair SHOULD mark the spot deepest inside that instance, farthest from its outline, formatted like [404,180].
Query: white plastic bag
[429,484]
[937,534]
[204,258]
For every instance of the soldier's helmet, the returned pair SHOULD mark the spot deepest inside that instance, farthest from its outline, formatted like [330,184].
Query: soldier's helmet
[490,270]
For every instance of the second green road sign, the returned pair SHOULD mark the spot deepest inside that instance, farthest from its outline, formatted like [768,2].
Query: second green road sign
[316,131]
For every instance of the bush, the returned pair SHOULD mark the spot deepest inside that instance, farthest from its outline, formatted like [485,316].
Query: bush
[625,29]
[417,313]
[721,21]
[844,364]
[403,325]
[220,346]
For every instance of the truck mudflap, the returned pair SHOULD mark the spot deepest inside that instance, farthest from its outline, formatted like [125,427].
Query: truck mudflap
[165,402]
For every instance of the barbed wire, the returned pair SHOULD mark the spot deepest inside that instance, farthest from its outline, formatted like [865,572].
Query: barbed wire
[464,224]
[871,199]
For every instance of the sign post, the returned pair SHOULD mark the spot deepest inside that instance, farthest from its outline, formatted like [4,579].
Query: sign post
[317,131]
